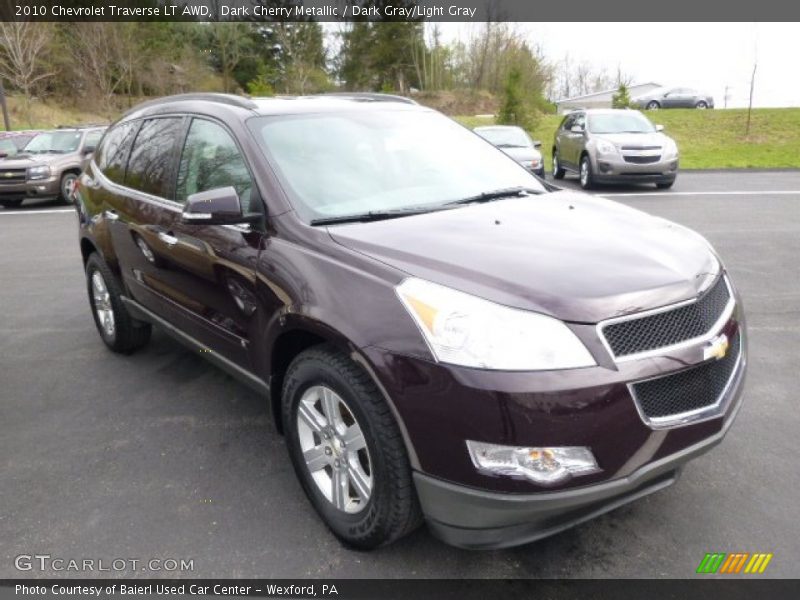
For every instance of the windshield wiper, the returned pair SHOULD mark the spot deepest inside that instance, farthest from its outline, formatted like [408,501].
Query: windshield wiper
[496,195]
[375,215]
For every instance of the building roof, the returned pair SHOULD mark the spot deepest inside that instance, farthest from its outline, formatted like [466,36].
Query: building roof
[611,91]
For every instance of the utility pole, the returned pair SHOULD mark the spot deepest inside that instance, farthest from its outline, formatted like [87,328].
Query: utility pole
[727,96]
[750,105]
[4,106]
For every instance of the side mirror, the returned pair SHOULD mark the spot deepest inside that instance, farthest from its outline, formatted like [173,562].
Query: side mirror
[576,129]
[659,128]
[537,144]
[219,206]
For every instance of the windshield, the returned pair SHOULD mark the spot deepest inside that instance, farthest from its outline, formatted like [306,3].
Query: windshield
[338,164]
[621,122]
[54,141]
[506,137]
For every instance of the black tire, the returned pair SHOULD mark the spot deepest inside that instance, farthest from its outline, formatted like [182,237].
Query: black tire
[665,185]
[587,182]
[67,183]
[11,203]
[128,334]
[702,104]
[653,105]
[392,509]
[558,171]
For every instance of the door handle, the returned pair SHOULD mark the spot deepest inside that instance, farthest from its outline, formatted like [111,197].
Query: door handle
[111,215]
[169,240]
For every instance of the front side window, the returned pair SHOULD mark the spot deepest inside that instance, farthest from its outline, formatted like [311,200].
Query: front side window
[150,166]
[92,139]
[355,162]
[54,142]
[211,160]
[112,155]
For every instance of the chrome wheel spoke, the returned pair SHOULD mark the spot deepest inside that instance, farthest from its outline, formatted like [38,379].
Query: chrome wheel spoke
[330,408]
[353,439]
[360,481]
[316,458]
[309,416]
[340,489]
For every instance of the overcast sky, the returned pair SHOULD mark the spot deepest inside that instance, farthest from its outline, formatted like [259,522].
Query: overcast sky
[707,56]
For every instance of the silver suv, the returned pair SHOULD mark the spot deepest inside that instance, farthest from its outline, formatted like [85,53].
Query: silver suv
[614,146]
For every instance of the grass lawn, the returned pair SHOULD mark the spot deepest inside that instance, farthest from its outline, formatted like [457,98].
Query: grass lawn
[709,139]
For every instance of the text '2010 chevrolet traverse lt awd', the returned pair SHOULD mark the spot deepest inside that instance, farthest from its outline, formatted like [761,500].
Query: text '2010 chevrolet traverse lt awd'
[441,336]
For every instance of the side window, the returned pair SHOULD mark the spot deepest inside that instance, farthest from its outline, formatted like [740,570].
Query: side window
[150,164]
[91,140]
[112,155]
[580,121]
[211,159]
[568,122]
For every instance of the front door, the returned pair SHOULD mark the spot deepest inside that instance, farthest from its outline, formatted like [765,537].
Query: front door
[212,267]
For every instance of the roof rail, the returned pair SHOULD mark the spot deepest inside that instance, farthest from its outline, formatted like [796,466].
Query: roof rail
[82,126]
[371,97]
[229,99]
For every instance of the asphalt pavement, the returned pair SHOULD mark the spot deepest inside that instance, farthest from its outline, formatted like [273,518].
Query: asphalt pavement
[160,455]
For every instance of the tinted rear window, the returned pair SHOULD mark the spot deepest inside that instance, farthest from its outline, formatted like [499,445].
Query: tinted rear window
[150,167]
[112,155]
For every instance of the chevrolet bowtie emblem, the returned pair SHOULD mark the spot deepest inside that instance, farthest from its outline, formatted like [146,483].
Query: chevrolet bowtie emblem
[716,348]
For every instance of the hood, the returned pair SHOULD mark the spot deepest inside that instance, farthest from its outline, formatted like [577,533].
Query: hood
[634,140]
[576,257]
[523,154]
[23,161]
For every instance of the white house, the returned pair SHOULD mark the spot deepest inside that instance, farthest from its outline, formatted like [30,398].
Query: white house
[602,99]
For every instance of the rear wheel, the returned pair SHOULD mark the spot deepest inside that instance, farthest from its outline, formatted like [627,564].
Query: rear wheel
[11,203]
[347,450]
[702,104]
[558,171]
[118,329]
[653,105]
[587,178]
[68,181]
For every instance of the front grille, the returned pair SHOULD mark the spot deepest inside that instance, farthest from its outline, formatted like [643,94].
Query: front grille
[642,160]
[641,147]
[668,327]
[689,390]
[12,175]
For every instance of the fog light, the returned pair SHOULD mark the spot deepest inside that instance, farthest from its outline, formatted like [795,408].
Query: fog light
[540,465]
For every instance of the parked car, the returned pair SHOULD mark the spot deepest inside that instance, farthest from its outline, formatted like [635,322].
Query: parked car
[674,98]
[11,142]
[440,335]
[614,146]
[515,142]
[48,165]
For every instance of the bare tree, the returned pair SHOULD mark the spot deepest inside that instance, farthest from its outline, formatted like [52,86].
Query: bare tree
[22,49]
[229,39]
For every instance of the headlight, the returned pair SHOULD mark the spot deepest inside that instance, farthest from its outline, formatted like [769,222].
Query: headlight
[464,330]
[670,148]
[40,172]
[606,147]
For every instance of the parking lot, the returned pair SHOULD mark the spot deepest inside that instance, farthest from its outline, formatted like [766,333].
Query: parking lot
[160,455]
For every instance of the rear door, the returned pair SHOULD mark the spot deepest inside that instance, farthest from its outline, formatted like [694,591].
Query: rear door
[142,213]
[212,267]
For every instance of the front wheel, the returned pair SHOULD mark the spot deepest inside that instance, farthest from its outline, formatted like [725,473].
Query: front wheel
[117,328]
[11,203]
[653,105]
[347,450]
[587,178]
[702,105]
[665,185]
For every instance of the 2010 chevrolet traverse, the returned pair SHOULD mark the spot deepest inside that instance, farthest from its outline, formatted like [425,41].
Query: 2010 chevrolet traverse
[441,336]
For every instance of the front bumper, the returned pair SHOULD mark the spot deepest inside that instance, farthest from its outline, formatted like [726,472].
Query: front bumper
[615,169]
[39,188]
[440,407]
[471,518]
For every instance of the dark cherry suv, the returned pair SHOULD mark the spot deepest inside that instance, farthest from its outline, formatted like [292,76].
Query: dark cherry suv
[441,336]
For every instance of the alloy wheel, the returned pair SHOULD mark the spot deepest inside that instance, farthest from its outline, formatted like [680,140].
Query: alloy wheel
[584,172]
[102,304]
[334,449]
